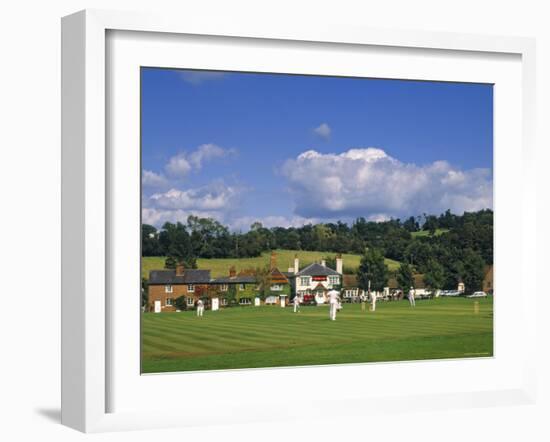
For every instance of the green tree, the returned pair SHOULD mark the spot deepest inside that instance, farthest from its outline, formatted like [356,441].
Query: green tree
[434,277]
[263,279]
[256,225]
[430,224]
[411,225]
[170,263]
[180,303]
[404,277]
[473,270]
[373,269]
[149,241]
[144,292]
[178,245]
[330,262]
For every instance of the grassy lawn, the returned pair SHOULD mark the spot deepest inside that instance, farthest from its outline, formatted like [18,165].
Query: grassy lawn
[427,233]
[247,337]
[285,259]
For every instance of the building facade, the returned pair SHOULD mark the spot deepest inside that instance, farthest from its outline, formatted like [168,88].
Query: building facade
[315,280]
[165,286]
[235,289]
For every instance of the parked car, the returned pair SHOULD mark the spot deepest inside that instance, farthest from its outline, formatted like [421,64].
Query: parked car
[449,293]
[477,295]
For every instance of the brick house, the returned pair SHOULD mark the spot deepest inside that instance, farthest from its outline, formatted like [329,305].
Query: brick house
[165,286]
[279,287]
[242,288]
[278,284]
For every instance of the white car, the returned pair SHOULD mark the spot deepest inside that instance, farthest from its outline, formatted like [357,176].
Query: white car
[477,295]
[449,293]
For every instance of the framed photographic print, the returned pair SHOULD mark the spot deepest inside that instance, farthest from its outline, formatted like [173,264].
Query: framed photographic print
[247,210]
[262,245]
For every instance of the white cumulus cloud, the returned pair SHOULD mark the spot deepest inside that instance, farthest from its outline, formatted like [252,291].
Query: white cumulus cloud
[215,196]
[178,166]
[323,130]
[368,182]
[216,200]
[157,217]
[181,164]
[207,152]
[152,179]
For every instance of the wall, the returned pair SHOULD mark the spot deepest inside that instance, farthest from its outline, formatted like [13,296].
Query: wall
[30,183]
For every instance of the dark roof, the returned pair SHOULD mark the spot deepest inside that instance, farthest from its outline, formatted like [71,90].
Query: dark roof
[190,276]
[316,269]
[239,279]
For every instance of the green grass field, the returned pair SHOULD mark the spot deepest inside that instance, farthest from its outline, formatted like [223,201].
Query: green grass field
[427,233]
[285,259]
[247,337]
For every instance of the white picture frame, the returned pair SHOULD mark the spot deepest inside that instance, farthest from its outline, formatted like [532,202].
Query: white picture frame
[88,232]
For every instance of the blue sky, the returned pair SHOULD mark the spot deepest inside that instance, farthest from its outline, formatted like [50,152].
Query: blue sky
[287,149]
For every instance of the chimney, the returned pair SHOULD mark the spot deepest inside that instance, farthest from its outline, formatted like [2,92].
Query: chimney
[324,262]
[296,264]
[339,264]
[273,262]
[180,268]
[232,272]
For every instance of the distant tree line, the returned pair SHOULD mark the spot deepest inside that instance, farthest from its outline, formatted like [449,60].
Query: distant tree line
[451,247]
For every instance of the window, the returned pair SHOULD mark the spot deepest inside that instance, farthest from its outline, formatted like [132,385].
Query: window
[168,289]
[333,280]
[191,287]
[241,287]
[276,287]
[190,302]
[224,288]
[169,301]
[304,280]
[224,301]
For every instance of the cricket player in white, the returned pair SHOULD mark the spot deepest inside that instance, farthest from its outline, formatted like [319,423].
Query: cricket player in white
[373,301]
[411,297]
[200,307]
[363,299]
[296,303]
[334,300]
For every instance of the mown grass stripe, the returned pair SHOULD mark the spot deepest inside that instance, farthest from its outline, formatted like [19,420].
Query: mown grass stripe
[274,332]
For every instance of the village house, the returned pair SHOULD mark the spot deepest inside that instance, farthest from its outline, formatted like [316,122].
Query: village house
[165,286]
[236,288]
[316,279]
[279,287]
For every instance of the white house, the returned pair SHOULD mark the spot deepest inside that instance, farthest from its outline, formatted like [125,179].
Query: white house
[317,279]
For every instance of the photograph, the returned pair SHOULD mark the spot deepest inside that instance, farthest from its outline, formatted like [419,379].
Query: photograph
[299,220]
